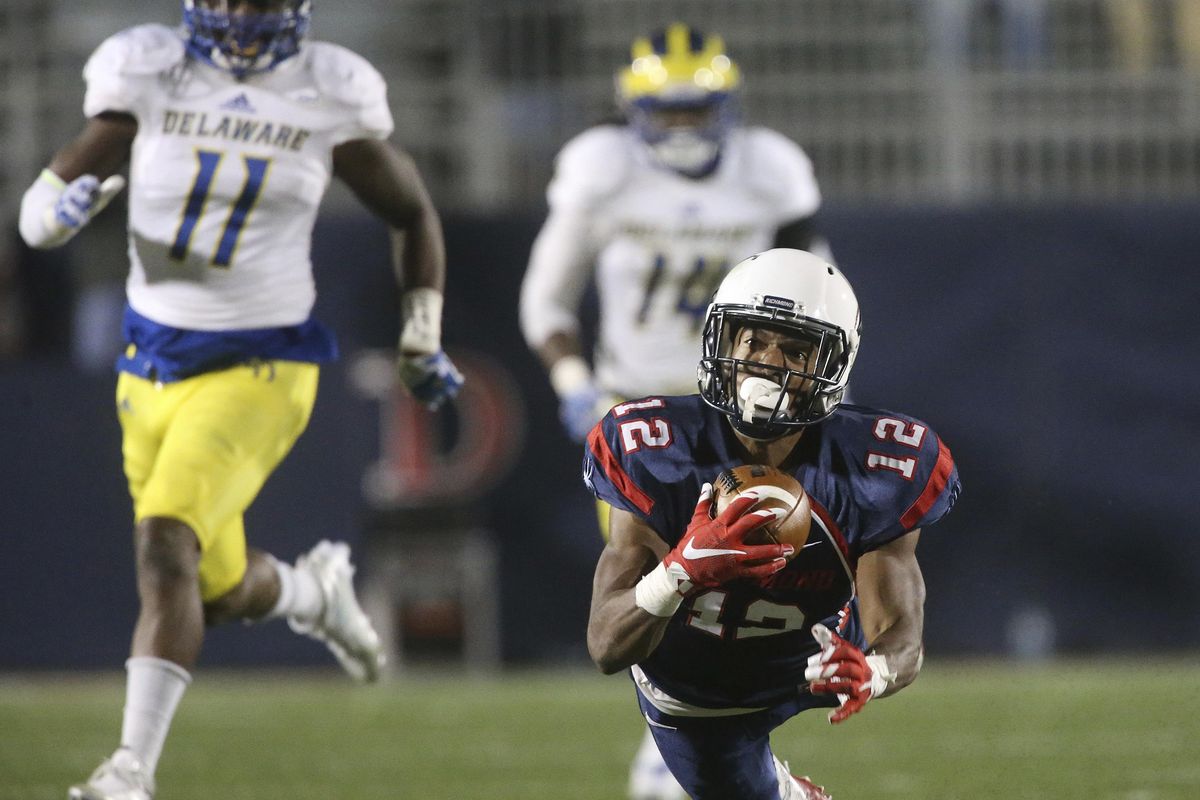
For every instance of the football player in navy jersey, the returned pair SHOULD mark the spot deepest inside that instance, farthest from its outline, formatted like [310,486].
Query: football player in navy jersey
[233,127]
[656,210]
[725,640]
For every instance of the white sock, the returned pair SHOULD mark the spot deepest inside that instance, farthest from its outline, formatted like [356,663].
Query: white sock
[299,593]
[154,687]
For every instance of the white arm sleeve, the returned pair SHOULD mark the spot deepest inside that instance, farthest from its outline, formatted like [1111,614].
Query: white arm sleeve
[36,222]
[589,169]
[558,273]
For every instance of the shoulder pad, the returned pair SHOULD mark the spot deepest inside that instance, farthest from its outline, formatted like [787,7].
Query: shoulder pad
[907,478]
[639,458]
[345,76]
[591,166]
[139,51]
[778,168]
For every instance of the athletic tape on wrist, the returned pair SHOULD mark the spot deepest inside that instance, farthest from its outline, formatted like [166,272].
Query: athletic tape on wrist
[421,314]
[569,375]
[37,223]
[881,675]
[657,593]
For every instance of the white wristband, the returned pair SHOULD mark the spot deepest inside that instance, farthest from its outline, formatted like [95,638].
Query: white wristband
[658,592]
[37,223]
[569,375]
[421,315]
[881,675]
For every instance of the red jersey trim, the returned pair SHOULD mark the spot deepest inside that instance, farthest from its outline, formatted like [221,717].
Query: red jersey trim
[933,489]
[831,526]
[617,476]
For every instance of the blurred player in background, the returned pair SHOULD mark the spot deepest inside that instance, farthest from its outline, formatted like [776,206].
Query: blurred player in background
[658,208]
[725,639]
[232,128]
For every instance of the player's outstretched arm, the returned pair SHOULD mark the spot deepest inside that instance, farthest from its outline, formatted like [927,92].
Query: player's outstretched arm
[79,181]
[581,402]
[619,632]
[560,266]
[388,183]
[631,607]
[891,606]
[891,592]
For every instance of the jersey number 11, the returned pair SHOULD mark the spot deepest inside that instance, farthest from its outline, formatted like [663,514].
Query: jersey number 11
[256,174]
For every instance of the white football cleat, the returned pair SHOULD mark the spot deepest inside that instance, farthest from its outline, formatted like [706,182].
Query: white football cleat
[122,776]
[341,625]
[795,787]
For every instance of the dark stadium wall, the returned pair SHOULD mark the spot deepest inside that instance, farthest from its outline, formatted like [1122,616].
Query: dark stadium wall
[1053,350]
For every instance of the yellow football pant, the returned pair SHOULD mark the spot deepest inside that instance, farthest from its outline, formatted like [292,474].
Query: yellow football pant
[603,515]
[200,449]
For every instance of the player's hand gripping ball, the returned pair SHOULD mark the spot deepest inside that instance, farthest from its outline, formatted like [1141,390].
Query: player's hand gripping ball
[777,489]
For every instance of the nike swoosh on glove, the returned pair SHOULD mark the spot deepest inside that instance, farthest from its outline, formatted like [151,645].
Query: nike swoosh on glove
[843,669]
[714,551]
[432,379]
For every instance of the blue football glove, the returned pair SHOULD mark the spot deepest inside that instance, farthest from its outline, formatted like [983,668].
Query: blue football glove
[580,410]
[431,379]
[84,198]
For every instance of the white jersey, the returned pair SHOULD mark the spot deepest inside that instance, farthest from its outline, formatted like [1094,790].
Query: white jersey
[659,243]
[226,176]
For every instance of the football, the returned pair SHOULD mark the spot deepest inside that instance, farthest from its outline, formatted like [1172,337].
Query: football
[777,489]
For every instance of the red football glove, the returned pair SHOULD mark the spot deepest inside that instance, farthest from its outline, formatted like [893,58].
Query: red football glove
[843,669]
[714,551]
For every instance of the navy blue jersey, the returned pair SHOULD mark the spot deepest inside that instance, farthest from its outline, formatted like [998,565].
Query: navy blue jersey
[871,476]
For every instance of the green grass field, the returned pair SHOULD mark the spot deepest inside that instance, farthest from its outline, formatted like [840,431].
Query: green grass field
[964,731]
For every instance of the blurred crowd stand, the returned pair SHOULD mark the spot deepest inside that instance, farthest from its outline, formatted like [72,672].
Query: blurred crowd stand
[1022,27]
[1139,26]
[898,101]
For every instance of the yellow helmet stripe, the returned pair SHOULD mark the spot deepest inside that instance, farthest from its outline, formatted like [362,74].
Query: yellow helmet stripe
[685,61]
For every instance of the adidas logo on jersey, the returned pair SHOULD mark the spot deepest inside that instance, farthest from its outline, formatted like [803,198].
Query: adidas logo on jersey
[239,103]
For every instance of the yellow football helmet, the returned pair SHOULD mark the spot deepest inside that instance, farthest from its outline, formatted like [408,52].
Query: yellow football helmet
[678,93]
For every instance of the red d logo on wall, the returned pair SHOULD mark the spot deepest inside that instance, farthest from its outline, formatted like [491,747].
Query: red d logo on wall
[454,454]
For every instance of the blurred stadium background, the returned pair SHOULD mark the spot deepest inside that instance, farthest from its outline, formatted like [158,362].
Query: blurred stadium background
[1012,185]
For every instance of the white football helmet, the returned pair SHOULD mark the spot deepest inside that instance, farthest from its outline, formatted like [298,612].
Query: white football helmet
[802,296]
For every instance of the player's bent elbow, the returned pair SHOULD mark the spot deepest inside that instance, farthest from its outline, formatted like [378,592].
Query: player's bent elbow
[906,675]
[907,667]
[607,658]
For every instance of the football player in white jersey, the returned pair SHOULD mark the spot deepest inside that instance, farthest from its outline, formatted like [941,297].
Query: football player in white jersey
[658,209]
[232,127]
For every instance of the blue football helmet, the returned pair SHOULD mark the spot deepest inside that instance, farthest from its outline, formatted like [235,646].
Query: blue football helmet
[245,36]
[679,94]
